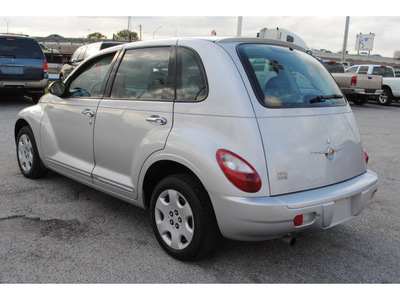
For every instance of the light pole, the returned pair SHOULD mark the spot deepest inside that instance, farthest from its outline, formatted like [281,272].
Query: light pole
[155,31]
[7,23]
[346,33]
[239,26]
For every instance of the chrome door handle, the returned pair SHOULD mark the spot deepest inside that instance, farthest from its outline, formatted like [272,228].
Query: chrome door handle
[89,113]
[157,119]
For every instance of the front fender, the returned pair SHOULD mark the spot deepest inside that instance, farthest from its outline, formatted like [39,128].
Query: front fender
[32,117]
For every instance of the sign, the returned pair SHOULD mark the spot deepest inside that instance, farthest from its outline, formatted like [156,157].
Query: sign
[365,42]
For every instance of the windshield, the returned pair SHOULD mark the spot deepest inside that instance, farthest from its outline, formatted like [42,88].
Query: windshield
[284,77]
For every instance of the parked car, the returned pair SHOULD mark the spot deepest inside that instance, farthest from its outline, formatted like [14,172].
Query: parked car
[81,54]
[248,138]
[358,88]
[55,36]
[390,85]
[23,67]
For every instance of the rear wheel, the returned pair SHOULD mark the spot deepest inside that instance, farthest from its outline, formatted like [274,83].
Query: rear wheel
[29,161]
[182,217]
[359,100]
[386,97]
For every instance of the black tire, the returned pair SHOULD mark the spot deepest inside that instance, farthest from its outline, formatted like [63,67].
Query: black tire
[359,100]
[29,162]
[36,98]
[386,97]
[182,217]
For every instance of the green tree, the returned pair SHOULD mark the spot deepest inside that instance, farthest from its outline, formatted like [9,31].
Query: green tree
[126,35]
[96,35]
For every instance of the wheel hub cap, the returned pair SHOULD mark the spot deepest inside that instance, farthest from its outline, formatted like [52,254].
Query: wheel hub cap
[25,153]
[174,219]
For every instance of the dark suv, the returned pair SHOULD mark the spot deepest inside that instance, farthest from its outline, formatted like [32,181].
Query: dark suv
[23,67]
[81,54]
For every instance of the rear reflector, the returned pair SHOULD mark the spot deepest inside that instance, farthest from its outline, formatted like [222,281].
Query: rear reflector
[373,194]
[298,220]
[366,157]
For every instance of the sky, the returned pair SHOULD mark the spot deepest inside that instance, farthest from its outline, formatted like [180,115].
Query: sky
[320,28]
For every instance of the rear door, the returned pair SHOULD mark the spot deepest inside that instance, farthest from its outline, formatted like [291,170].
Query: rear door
[308,130]
[135,119]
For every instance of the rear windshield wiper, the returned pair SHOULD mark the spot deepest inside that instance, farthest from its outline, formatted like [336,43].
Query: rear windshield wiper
[322,98]
[8,55]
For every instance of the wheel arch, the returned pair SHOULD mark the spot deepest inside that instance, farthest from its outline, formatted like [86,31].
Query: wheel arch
[159,170]
[19,124]
[385,86]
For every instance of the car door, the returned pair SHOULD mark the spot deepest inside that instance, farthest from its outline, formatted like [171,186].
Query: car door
[134,120]
[67,129]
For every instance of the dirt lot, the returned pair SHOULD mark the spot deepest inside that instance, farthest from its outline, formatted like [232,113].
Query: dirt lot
[55,230]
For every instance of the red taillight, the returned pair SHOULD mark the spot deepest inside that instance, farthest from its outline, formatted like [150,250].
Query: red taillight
[366,157]
[238,171]
[354,81]
[45,67]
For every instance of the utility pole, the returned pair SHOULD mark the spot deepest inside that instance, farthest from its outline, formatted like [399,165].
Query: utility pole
[239,26]
[346,34]
[7,21]
[129,29]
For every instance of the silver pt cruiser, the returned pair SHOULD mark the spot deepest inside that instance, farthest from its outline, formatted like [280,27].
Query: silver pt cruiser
[246,137]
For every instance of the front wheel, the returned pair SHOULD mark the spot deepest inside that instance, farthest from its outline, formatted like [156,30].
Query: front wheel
[29,161]
[182,217]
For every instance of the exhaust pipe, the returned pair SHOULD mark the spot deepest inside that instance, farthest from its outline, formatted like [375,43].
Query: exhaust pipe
[288,239]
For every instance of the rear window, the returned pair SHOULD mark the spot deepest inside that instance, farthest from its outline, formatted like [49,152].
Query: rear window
[284,77]
[334,66]
[17,47]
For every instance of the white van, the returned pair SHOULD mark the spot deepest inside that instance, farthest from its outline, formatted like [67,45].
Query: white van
[282,34]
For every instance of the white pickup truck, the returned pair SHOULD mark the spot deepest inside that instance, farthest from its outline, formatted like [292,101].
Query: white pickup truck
[390,86]
[357,88]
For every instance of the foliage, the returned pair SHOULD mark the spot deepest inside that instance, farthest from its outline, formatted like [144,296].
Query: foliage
[124,35]
[96,35]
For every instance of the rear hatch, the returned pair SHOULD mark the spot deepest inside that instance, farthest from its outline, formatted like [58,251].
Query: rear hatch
[309,133]
[21,59]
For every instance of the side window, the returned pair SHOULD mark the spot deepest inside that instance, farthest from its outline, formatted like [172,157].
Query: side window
[363,70]
[289,39]
[75,56]
[191,79]
[142,74]
[88,83]
[82,54]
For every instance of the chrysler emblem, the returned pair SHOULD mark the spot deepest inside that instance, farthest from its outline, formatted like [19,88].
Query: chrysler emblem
[329,152]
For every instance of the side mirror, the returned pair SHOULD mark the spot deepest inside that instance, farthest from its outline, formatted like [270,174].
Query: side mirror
[57,88]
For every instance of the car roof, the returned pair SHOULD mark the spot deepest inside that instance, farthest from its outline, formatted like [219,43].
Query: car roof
[16,36]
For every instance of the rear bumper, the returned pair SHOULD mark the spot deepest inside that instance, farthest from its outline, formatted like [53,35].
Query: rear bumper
[365,92]
[255,219]
[23,85]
